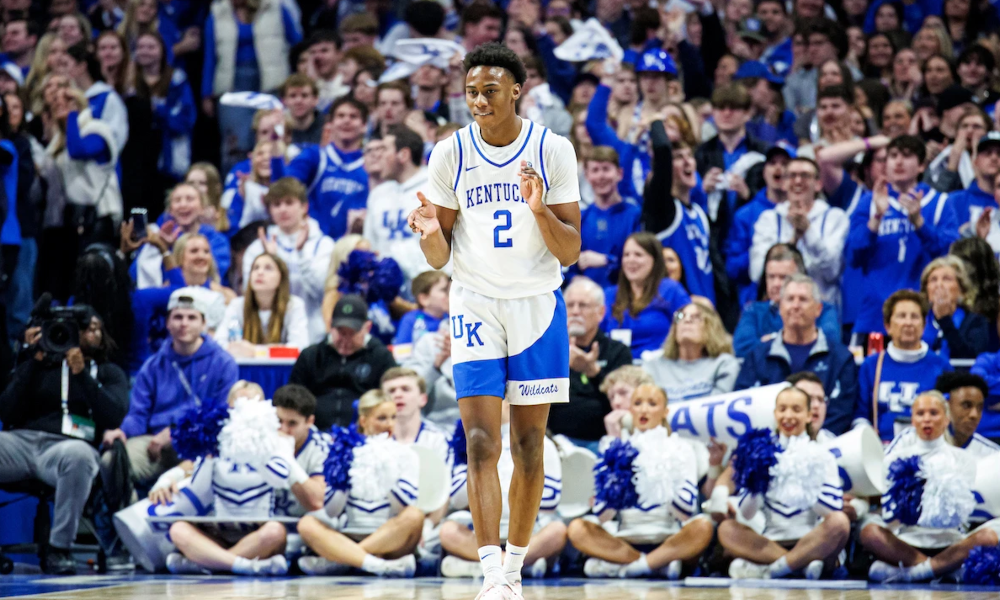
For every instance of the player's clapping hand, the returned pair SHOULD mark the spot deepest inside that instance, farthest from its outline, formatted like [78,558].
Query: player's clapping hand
[531,187]
[424,220]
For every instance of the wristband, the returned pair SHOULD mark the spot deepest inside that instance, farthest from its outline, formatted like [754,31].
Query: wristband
[296,474]
[714,471]
[719,500]
[868,145]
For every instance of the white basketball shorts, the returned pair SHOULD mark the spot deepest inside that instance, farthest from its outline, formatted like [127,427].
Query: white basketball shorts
[515,348]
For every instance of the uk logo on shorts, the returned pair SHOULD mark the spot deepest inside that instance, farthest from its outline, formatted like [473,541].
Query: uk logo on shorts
[470,333]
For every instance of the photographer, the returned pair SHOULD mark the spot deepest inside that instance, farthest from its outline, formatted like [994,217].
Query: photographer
[55,412]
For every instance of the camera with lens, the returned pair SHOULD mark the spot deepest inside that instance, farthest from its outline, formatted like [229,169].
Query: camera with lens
[60,327]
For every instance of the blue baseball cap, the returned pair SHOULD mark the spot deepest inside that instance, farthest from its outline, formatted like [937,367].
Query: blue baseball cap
[656,61]
[990,139]
[755,68]
[782,148]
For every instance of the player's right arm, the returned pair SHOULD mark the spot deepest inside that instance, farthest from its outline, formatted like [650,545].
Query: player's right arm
[436,216]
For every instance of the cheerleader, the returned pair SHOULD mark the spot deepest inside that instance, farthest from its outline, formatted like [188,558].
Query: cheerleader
[929,502]
[372,484]
[458,539]
[805,527]
[240,484]
[654,537]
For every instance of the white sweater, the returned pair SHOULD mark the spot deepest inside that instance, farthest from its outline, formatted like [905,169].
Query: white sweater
[293,333]
[306,270]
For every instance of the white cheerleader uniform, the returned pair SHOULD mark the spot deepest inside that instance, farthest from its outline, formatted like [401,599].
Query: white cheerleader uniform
[653,524]
[784,523]
[310,457]
[551,495]
[906,444]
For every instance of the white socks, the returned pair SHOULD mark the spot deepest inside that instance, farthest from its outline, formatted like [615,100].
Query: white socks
[637,568]
[373,565]
[919,572]
[489,558]
[513,562]
[779,568]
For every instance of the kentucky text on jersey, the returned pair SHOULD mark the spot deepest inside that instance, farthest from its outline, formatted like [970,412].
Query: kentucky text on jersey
[493,192]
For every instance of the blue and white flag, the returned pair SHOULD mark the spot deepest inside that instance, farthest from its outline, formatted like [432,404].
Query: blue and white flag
[590,42]
[251,100]
[412,54]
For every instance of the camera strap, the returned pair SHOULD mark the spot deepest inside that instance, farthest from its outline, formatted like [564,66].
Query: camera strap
[75,425]
[184,383]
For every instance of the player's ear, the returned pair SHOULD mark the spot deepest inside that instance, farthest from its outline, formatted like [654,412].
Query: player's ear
[516,91]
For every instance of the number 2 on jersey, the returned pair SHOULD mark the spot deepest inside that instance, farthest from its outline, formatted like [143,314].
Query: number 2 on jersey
[502,215]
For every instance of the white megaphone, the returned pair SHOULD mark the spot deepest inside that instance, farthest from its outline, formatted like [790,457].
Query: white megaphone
[987,488]
[860,461]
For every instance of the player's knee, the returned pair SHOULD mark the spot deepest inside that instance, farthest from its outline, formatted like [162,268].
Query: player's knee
[273,535]
[577,530]
[482,447]
[527,447]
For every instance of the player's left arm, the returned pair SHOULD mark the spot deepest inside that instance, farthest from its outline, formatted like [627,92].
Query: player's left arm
[558,214]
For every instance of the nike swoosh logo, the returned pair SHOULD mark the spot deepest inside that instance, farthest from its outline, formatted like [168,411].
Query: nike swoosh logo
[487,556]
[467,169]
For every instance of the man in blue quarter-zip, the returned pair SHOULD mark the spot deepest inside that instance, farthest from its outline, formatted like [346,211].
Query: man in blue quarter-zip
[976,207]
[896,230]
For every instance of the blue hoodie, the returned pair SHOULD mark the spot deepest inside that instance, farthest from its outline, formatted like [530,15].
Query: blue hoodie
[893,258]
[963,202]
[605,231]
[159,398]
[987,366]
[738,244]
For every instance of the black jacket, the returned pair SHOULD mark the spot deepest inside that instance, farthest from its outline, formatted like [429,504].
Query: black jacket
[583,416]
[967,341]
[32,399]
[337,381]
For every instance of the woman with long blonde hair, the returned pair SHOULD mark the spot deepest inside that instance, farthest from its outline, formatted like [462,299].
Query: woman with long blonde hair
[266,314]
[205,177]
[697,357]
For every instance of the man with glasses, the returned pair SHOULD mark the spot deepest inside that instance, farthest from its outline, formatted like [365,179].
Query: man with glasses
[802,346]
[817,229]
[592,355]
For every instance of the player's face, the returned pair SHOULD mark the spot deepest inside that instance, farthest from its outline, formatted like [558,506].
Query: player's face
[791,412]
[636,262]
[620,395]
[649,407]
[906,325]
[603,177]
[490,93]
[817,402]
[382,419]
[405,393]
[294,424]
[929,418]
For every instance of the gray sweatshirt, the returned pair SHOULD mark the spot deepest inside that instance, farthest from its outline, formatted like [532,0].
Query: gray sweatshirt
[687,380]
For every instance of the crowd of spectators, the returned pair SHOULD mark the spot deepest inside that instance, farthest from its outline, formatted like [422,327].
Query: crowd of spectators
[766,187]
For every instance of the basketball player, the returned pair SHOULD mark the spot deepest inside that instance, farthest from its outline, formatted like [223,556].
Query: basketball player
[503,194]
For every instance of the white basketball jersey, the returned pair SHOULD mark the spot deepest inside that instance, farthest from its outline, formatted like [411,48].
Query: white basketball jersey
[497,247]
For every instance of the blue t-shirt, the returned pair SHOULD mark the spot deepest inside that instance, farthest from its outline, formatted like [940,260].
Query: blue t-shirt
[415,324]
[799,354]
[605,231]
[650,327]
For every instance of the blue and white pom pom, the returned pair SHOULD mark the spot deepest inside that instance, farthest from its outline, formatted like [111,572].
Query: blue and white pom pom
[337,466]
[798,476]
[196,434]
[982,567]
[756,452]
[251,435]
[659,467]
[929,492]
[457,446]
[375,279]
[378,464]
[613,476]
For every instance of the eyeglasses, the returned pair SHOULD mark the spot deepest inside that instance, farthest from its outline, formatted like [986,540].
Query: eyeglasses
[691,317]
[801,175]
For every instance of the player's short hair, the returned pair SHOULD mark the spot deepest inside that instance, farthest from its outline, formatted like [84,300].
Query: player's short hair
[630,374]
[495,54]
[904,296]
[423,282]
[361,106]
[949,382]
[409,139]
[836,91]
[400,372]
[909,145]
[602,154]
[299,80]
[295,397]
[733,95]
[362,23]
[286,187]
[398,85]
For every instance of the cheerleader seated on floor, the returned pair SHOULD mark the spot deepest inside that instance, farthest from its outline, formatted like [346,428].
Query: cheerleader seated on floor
[646,486]
[922,532]
[458,539]
[168,484]
[794,482]
[371,487]
[236,473]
